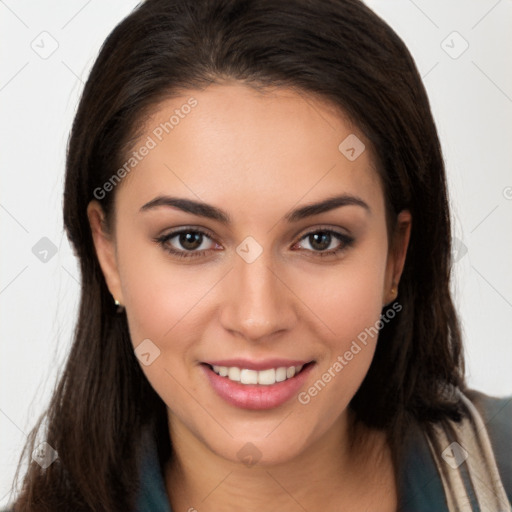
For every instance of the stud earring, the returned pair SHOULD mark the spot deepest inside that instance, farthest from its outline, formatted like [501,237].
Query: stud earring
[120,307]
[394,293]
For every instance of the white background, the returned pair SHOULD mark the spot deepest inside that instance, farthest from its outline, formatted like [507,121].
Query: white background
[471,98]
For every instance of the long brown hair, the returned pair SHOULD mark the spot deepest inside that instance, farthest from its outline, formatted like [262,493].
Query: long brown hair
[338,50]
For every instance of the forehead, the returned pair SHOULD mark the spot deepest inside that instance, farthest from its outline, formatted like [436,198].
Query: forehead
[230,143]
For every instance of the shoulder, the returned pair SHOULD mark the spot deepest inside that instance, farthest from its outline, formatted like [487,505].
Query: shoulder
[496,413]
[421,485]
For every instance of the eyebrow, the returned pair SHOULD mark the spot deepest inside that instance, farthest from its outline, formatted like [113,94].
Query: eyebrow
[212,212]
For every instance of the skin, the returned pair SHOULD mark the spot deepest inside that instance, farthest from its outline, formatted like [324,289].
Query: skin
[257,156]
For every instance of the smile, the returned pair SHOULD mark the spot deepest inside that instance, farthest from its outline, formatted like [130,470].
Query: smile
[263,377]
[247,388]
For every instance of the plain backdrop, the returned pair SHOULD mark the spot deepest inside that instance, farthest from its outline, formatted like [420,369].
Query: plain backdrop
[464,53]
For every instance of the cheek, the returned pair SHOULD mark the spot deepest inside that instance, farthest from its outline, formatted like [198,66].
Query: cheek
[349,304]
[158,296]
[350,298]
[163,305]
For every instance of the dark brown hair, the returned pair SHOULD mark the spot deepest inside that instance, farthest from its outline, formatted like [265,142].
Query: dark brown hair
[337,50]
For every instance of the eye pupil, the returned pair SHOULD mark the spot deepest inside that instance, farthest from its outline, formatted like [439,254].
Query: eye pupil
[190,240]
[320,238]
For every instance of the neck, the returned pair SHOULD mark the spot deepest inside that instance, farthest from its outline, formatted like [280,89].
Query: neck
[334,473]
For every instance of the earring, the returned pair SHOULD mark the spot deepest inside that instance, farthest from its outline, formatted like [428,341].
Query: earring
[120,307]
[394,293]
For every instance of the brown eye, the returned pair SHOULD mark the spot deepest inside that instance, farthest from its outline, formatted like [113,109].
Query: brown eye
[320,241]
[190,240]
[327,242]
[186,243]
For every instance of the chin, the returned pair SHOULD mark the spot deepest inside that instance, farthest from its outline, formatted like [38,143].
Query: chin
[257,451]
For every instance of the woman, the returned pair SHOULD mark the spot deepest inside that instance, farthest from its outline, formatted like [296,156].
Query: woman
[257,197]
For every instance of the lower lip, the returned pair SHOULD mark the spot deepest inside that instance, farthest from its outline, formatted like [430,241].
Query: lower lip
[256,396]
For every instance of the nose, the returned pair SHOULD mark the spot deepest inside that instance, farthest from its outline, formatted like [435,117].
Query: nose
[258,303]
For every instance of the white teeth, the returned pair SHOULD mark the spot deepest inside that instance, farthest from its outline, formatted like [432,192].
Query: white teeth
[234,374]
[280,374]
[248,376]
[267,377]
[263,377]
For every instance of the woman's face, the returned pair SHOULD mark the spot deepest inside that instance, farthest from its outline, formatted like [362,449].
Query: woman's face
[253,281]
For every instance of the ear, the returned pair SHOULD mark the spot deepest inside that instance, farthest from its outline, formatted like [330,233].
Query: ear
[105,249]
[396,255]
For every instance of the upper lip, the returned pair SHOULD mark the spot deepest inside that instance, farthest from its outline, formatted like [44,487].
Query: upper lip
[265,364]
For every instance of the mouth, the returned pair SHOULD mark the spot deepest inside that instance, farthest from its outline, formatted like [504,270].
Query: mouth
[246,388]
[266,377]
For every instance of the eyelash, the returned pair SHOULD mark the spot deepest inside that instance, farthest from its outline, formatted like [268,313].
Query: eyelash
[346,240]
